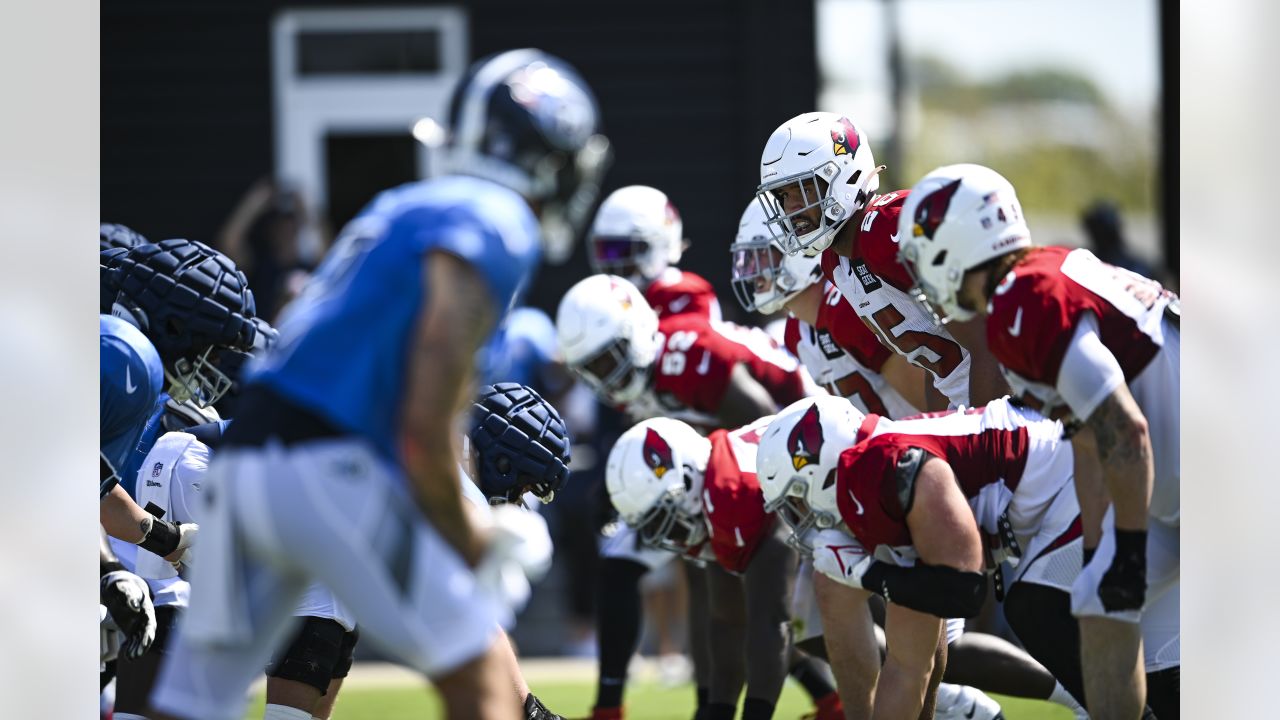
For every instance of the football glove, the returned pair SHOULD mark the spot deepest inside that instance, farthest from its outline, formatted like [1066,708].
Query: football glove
[840,557]
[1124,586]
[128,600]
[519,551]
[535,710]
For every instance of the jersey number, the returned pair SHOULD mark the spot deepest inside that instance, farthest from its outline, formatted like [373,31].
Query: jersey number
[949,355]
[855,384]
[674,359]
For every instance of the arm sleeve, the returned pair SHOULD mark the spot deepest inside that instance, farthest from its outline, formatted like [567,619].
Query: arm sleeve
[1089,371]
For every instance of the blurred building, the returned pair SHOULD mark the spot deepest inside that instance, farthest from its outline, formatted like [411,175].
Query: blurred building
[201,98]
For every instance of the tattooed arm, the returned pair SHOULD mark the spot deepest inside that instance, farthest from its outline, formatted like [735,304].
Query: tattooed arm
[1117,431]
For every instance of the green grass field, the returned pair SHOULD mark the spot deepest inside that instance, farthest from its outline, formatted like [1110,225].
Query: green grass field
[572,699]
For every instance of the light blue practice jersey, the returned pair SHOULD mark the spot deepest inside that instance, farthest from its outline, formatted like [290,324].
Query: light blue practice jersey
[345,341]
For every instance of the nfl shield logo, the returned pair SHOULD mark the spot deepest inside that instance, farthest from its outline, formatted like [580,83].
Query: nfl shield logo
[155,471]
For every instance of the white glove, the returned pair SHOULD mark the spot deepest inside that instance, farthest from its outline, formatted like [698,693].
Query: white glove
[182,555]
[840,557]
[128,600]
[519,551]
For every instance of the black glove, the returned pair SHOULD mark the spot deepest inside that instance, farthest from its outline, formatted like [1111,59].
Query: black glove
[1124,586]
[535,710]
[128,600]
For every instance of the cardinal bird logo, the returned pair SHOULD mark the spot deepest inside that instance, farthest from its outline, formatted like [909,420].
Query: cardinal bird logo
[806,439]
[623,297]
[845,138]
[933,208]
[657,453]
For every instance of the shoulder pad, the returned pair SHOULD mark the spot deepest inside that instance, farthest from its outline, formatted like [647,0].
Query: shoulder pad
[905,472]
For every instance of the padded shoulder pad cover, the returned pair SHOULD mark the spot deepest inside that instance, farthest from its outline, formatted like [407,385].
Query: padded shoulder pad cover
[904,474]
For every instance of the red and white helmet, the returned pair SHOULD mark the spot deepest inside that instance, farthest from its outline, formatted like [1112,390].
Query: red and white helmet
[830,161]
[956,218]
[654,476]
[765,277]
[608,335]
[637,234]
[796,463]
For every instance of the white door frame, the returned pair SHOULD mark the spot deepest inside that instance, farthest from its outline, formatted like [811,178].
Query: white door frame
[307,108]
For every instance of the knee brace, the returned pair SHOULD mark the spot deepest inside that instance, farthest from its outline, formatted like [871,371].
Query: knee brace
[313,655]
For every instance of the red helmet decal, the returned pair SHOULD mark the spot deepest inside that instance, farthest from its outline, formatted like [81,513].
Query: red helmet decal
[657,453]
[621,294]
[845,138]
[933,208]
[670,215]
[806,439]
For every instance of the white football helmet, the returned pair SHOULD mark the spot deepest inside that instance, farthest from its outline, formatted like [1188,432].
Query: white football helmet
[765,277]
[654,476]
[637,234]
[830,162]
[608,335]
[796,463]
[956,218]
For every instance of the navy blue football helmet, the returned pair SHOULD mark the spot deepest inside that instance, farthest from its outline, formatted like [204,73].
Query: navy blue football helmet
[521,444]
[527,120]
[194,305]
[130,380]
[115,235]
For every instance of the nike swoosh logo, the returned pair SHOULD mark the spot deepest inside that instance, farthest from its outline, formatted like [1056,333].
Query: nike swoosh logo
[854,498]
[129,387]
[894,238]
[679,303]
[972,709]
[1016,328]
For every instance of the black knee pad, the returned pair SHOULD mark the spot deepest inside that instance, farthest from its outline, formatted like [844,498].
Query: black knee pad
[313,655]
[1164,692]
[347,654]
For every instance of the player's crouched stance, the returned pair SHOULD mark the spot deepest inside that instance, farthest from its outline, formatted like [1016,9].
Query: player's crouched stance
[519,446]
[1097,346]
[936,500]
[698,497]
[343,466]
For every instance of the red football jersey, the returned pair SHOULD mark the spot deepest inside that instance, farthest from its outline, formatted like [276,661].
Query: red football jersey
[1035,308]
[877,287]
[675,292]
[732,502]
[995,451]
[697,358]
[845,357]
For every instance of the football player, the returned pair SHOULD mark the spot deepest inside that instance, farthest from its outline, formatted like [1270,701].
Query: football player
[191,301]
[637,235]
[822,330]
[711,375]
[345,452]
[845,357]
[938,499]
[518,449]
[698,497]
[1097,346]
[818,183]
[130,380]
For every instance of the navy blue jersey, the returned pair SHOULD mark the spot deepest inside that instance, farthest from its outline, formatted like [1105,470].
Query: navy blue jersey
[345,342]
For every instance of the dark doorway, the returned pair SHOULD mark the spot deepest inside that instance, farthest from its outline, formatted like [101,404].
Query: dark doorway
[359,166]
